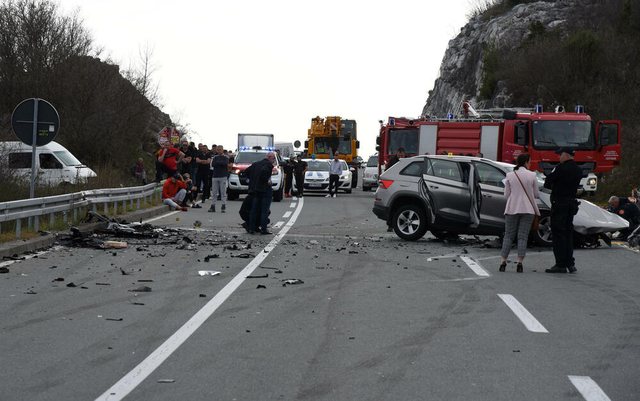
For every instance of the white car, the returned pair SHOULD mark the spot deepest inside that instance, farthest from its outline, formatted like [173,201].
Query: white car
[240,185]
[316,179]
[370,177]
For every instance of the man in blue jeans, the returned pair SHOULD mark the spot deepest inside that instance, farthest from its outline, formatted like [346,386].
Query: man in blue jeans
[259,174]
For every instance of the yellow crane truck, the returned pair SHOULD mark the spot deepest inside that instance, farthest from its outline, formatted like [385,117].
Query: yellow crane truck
[331,134]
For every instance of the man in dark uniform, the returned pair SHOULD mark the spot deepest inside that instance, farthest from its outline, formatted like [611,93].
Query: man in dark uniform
[299,169]
[288,176]
[563,181]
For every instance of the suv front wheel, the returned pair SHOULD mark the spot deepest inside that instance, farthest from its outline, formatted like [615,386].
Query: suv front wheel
[409,222]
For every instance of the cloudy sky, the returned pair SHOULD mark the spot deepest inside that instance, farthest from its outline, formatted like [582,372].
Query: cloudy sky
[270,66]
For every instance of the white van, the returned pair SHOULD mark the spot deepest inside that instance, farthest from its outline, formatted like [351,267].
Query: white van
[54,163]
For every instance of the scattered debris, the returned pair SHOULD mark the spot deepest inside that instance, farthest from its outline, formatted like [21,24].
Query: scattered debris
[261,286]
[145,281]
[291,281]
[4,270]
[137,303]
[197,224]
[208,272]
[58,279]
[242,256]
[114,245]
[352,338]
[114,319]
[258,276]
[142,288]
[71,285]
[30,292]
[202,295]
[53,267]
[313,242]
[166,381]
[14,257]
[209,257]
[103,283]
[124,273]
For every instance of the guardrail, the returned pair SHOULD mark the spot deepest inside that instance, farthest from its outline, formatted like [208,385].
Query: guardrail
[71,204]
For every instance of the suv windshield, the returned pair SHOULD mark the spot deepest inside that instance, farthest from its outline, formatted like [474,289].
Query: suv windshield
[249,157]
[373,161]
[403,138]
[317,165]
[555,134]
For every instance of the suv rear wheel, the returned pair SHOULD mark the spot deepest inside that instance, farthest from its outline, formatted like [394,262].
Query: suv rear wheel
[409,222]
[542,236]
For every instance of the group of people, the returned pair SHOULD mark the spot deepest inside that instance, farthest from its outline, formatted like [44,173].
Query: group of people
[192,171]
[521,190]
[294,167]
[627,207]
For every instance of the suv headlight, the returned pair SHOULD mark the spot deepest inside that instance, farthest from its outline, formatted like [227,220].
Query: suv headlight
[592,181]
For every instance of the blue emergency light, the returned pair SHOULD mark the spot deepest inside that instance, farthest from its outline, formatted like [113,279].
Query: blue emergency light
[539,108]
[392,121]
[579,108]
[450,116]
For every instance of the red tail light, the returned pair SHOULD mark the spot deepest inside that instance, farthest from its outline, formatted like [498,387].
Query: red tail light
[385,184]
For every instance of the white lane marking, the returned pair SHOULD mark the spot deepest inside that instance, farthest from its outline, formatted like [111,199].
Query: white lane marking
[477,269]
[292,205]
[451,255]
[162,216]
[588,388]
[295,198]
[286,215]
[132,379]
[530,322]
[278,224]
[35,255]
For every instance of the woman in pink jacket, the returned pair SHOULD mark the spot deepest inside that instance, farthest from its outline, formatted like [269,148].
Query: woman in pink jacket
[521,191]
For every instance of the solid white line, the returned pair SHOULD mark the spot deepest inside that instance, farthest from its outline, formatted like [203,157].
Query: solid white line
[530,322]
[286,215]
[27,257]
[132,379]
[278,224]
[588,388]
[162,216]
[292,205]
[477,269]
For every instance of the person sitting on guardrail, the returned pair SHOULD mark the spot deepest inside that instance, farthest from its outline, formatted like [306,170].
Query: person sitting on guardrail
[174,192]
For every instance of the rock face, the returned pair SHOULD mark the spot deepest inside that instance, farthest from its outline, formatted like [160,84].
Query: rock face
[461,71]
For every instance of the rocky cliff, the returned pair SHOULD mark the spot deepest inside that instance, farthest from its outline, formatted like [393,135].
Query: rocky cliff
[463,68]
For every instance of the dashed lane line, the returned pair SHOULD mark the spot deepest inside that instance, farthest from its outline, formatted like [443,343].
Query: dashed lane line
[278,224]
[286,215]
[529,321]
[132,379]
[292,205]
[473,265]
[162,216]
[588,388]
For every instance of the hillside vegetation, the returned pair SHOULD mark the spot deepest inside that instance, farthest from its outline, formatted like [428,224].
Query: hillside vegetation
[106,118]
[597,64]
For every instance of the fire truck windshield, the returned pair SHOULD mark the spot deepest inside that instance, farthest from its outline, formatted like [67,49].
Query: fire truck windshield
[555,134]
[403,138]
[326,144]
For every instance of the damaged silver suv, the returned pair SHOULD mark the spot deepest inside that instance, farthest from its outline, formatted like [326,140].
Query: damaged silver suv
[446,195]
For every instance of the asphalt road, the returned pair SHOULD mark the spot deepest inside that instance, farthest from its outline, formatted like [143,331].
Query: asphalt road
[375,319]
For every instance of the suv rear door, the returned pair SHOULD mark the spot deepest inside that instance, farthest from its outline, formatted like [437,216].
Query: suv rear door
[450,197]
[493,200]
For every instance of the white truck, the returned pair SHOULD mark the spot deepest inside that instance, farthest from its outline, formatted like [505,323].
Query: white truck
[252,141]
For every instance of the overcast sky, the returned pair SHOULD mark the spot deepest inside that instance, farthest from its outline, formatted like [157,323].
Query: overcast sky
[269,66]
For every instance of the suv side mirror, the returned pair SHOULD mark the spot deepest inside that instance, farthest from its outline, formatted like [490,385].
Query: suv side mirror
[521,134]
[377,140]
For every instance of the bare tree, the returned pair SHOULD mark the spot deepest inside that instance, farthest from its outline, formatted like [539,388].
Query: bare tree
[141,75]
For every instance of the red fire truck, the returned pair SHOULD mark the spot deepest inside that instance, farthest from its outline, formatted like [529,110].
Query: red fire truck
[596,144]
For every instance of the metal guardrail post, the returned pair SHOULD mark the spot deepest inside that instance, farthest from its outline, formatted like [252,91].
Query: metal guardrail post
[138,204]
[36,223]
[18,228]
[106,208]
[65,218]
[52,220]
[115,208]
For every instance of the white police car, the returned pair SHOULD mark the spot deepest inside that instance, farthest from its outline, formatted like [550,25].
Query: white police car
[243,159]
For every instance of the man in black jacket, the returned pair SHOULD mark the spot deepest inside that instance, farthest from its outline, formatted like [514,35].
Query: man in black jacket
[259,174]
[563,181]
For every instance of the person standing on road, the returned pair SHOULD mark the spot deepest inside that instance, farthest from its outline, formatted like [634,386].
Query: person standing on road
[260,188]
[563,181]
[299,170]
[174,191]
[220,167]
[288,176]
[521,190]
[203,160]
[335,170]
[400,154]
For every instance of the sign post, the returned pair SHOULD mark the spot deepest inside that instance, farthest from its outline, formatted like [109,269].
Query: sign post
[35,122]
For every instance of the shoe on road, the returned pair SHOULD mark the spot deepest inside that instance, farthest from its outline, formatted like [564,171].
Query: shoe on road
[212,209]
[196,206]
[334,195]
[572,269]
[265,232]
[556,269]
[328,196]
[223,208]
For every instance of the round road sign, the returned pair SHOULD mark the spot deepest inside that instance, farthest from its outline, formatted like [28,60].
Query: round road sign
[47,121]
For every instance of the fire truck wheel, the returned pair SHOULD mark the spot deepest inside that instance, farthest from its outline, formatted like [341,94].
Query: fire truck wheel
[409,222]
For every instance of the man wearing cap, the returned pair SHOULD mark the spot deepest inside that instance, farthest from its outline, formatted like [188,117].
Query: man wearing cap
[563,181]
